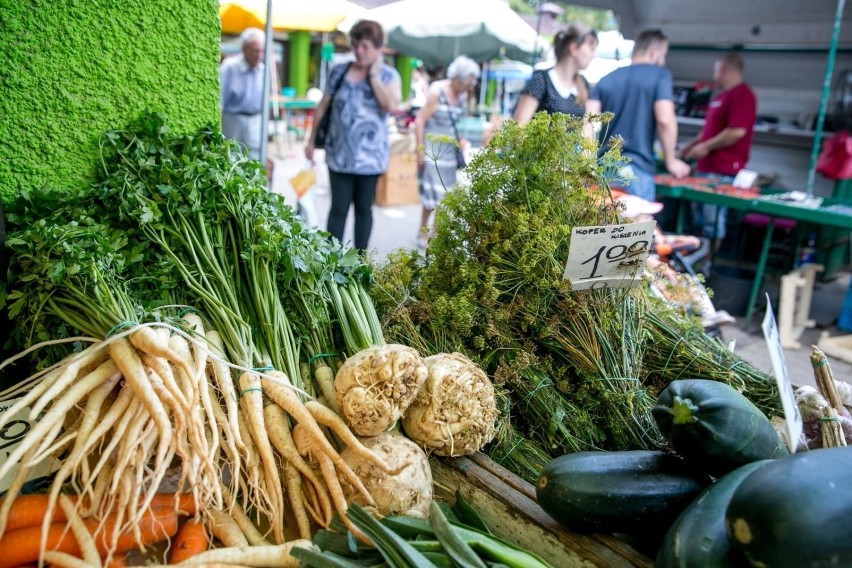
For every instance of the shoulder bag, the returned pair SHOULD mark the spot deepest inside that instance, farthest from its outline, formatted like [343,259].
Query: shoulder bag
[325,121]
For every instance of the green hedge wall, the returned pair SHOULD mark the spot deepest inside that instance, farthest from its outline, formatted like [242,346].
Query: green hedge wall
[72,69]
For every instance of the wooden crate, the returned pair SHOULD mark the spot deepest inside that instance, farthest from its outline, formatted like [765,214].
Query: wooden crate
[399,184]
[507,505]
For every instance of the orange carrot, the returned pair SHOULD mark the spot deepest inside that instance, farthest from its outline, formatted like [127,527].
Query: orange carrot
[22,546]
[29,510]
[191,539]
[185,503]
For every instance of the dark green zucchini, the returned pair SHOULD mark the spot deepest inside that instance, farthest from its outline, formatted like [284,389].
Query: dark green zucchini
[796,511]
[624,492]
[713,426]
[697,539]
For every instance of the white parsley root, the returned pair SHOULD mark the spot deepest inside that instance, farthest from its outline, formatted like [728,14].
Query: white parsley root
[409,492]
[455,411]
[374,387]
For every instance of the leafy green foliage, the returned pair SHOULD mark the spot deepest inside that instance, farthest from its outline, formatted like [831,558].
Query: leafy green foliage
[491,285]
[184,221]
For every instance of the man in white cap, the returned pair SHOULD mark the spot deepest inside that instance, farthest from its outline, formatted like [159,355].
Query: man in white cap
[241,90]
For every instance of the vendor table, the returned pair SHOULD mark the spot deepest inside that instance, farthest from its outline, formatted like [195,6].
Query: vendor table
[297,115]
[831,213]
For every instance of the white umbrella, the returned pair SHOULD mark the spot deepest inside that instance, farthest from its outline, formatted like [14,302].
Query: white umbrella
[436,31]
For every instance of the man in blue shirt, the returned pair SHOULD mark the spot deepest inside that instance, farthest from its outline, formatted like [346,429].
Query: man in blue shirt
[641,99]
[241,90]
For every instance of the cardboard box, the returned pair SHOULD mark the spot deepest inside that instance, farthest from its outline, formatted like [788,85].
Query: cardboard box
[398,186]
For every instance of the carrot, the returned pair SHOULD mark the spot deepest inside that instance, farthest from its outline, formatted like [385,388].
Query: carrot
[29,511]
[191,539]
[38,434]
[327,417]
[278,388]
[182,503]
[17,483]
[22,546]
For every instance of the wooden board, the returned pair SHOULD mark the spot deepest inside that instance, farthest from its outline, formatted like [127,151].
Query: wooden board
[507,505]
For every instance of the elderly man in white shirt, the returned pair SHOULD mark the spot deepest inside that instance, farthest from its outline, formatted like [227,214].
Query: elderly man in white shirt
[241,89]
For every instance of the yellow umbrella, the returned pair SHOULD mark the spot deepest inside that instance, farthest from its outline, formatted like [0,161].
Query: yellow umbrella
[313,15]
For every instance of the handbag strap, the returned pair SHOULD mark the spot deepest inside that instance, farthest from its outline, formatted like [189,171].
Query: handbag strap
[443,99]
[338,83]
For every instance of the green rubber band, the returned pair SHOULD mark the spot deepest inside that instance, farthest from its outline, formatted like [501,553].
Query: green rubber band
[322,356]
[821,363]
[258,389]
[263,369]
[830,419]
[121,327]
[188,311]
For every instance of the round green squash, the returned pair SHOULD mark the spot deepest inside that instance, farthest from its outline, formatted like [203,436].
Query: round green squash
[697,539]
[624,492]
[795,511]
[713,426]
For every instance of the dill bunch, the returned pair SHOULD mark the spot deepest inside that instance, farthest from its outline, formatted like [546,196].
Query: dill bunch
[491,285]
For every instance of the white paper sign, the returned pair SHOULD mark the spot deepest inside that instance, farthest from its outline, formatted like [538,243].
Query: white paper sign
[11,436]
[792,415]
[608,256]
[745,178]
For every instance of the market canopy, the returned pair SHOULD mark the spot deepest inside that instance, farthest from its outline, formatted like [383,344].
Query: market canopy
[287,15]
[436,31]
[729,22]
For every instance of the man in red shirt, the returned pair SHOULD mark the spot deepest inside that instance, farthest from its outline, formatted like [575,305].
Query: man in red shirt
[722,147]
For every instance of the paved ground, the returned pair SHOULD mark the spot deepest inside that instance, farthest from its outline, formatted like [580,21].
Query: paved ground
[396,227]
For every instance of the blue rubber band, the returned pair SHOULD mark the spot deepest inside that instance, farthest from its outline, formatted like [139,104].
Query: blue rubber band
[252,389]
[263,369]
[121,327]
[322,356]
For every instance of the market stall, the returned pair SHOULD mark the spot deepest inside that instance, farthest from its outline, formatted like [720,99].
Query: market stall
[203,379]
[777,204]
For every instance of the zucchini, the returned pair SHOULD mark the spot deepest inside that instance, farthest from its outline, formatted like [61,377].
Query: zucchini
[795,511]
[697,539]
[625,492]
[713,426]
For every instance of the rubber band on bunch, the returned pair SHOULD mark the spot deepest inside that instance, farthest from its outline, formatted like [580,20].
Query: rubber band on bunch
[121,327]
[322,356]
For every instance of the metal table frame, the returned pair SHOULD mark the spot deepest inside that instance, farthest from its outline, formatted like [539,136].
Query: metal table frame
[773,209]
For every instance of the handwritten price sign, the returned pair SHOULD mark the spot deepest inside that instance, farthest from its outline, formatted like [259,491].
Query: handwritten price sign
[608,256]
